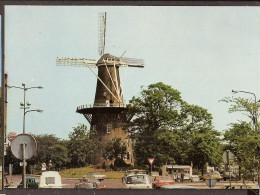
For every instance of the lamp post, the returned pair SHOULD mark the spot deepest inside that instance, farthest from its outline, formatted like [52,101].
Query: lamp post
[254,110]
[23,104]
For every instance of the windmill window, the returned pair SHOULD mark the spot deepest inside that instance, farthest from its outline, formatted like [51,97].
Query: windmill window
[109,128]
[94,128]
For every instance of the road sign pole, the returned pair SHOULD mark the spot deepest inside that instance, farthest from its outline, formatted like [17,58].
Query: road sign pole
[24,167]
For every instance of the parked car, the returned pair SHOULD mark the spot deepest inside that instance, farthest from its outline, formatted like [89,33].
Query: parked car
[95,175]
[31,182]
[226,176]
[135,171]
[214,174]
[160,181]
[137,181]
[50,179]
[89,184]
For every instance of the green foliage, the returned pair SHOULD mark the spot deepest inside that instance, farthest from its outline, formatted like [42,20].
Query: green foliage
[83,146]
[167,128]
[115,150]
[247,106]
[244,142]
[243,138]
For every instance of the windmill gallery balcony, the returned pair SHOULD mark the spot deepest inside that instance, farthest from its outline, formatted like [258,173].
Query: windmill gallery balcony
[101,105]
[113,112]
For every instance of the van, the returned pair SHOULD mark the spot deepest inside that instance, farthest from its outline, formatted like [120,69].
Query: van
[50,179]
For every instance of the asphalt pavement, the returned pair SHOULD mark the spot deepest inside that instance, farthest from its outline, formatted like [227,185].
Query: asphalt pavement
[117,183]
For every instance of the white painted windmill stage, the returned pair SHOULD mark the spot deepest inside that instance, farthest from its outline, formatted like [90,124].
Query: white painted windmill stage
[106,115]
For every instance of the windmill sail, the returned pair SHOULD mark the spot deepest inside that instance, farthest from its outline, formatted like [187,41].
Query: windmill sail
[101,33]
[61,61]
[132,62]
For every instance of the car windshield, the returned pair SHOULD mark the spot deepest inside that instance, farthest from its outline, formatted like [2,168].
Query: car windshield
[136,179]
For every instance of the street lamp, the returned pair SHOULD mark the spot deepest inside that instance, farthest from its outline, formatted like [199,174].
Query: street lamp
[23,104]
[254,111]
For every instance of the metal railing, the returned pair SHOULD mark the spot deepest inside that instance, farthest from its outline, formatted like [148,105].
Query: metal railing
[102,105]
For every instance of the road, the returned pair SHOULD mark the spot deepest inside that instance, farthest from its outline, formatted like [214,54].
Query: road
[67,182]
[117,183]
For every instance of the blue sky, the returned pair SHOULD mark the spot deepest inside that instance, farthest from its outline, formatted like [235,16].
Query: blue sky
[204,52]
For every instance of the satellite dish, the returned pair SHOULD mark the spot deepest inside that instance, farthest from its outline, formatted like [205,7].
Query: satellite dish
[30,146]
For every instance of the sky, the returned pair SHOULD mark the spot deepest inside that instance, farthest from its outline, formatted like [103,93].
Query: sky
[203,52]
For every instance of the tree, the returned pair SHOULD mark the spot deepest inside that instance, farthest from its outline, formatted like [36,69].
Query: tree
[167,128]
[198,133]
[49,148]
[115,150]
[83,146]
[244,142]
[243,137]
[248,107]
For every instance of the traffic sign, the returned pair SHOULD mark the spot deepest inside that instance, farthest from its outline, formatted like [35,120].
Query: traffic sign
[30,146]
[228,157]
[11,136]
[151,160]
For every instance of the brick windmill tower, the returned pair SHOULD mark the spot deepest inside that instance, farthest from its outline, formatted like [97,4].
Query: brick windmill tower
[106,116]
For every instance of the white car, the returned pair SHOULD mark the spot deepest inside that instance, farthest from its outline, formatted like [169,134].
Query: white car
[137,181]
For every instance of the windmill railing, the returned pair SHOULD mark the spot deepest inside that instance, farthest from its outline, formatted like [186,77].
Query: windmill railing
[102,105]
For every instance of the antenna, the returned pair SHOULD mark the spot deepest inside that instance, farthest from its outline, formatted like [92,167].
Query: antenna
[101,33]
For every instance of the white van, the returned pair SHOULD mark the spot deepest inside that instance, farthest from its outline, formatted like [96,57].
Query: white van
[50,179]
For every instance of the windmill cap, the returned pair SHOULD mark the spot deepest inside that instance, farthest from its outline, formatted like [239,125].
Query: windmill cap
[108,59]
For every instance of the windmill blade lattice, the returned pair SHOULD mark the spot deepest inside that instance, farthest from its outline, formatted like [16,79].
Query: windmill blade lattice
[101,33]
[132,62]
[81,62]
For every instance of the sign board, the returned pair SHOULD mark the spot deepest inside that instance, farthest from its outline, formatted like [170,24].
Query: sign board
[211,182]
[30,146]
[11,136]
[150,160]
[228,157]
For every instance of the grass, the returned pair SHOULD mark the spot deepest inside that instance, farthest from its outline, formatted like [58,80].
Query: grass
[114,174]
[80,172]
[76,172]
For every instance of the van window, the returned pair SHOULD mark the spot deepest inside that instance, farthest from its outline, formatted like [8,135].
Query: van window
[50,180]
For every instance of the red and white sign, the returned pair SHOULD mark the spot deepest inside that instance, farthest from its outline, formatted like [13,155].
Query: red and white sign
[151,160]
[11,136]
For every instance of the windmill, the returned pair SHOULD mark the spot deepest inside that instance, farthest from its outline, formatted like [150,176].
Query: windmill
[106,116]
